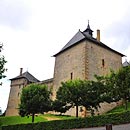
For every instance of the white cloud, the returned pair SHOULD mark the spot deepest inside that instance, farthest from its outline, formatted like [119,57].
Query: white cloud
[34,30]
[14,13]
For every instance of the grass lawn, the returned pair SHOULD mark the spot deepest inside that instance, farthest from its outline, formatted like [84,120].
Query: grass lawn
[46,117]
[120,109]
[19,120]
[23,120]
[60,117]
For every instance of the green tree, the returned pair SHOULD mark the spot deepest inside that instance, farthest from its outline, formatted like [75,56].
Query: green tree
[120,84]
[92,95]
[69,92]
[35,98]
[117,85]
[0,111]
[2,68]
[82,93]
[60,106]
[107,91]
[2,65]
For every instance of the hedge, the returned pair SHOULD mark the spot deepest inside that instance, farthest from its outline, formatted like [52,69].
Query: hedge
[101,120]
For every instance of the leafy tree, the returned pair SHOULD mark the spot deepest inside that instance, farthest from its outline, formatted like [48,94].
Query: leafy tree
[107,90]
[2,65]
[68,94]
[120,82]
[92,95]
[60,106]
[117,85]
[35,98]
[2,68]
[0,111]
[82,93]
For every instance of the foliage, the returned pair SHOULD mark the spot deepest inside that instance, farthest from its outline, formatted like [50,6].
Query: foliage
[2,64]
[107,81]
[0,112]
[12,120]
[35,98]
[122,84]
[91,95]
[59,106]
[68,94]
[81,93]
[102,120]
[120,108]
[2,68]
[118,85]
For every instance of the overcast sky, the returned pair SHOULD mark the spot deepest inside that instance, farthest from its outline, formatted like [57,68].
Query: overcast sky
[32,31]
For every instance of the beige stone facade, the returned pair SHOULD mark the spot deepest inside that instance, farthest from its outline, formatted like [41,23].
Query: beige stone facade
[81,58]
[16,87]
[69,65]
[100,60]
[14,96]
[83,61]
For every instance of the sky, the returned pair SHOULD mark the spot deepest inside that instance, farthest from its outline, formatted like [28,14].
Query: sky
[32,31]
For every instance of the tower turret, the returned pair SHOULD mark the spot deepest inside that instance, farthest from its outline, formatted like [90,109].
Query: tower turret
[88,31]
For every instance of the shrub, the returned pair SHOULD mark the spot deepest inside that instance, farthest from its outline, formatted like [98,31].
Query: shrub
[101,120]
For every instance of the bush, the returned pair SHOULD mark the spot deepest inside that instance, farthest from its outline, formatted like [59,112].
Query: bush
[101,120]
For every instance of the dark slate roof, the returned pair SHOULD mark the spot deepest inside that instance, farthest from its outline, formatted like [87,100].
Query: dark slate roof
[80,36]
[126,63]
[28,76]
[47,81]
[77,37]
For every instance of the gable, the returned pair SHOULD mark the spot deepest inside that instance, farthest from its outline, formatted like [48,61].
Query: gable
[79,36]
[28,76]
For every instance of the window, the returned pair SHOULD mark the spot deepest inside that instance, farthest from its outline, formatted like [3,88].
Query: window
[18,94]
[71,76]
[103,63]
[20,86]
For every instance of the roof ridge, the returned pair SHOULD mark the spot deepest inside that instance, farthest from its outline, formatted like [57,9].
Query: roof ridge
[28,76]
[76,38]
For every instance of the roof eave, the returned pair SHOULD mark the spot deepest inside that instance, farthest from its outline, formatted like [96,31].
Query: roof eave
[94,41]
[68,48]
[17,78]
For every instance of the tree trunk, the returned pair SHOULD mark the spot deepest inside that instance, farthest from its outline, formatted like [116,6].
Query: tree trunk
[33,117]
[76,111]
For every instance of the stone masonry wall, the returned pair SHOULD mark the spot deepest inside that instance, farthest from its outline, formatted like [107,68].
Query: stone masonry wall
[14,96]
[101,60]
[83,61]
[69,65]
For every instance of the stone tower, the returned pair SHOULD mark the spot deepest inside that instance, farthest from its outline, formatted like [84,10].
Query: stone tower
[17,84]
[83,57]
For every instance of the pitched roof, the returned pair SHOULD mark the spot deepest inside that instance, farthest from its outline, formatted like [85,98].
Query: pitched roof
[77,37]
[28,76]
[126,63]
[80,36]
[47,81]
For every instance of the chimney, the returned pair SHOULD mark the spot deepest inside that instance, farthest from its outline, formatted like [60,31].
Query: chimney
[21,71]
[98,35]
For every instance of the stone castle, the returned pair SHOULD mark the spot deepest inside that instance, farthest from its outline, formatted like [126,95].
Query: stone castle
[81,58]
